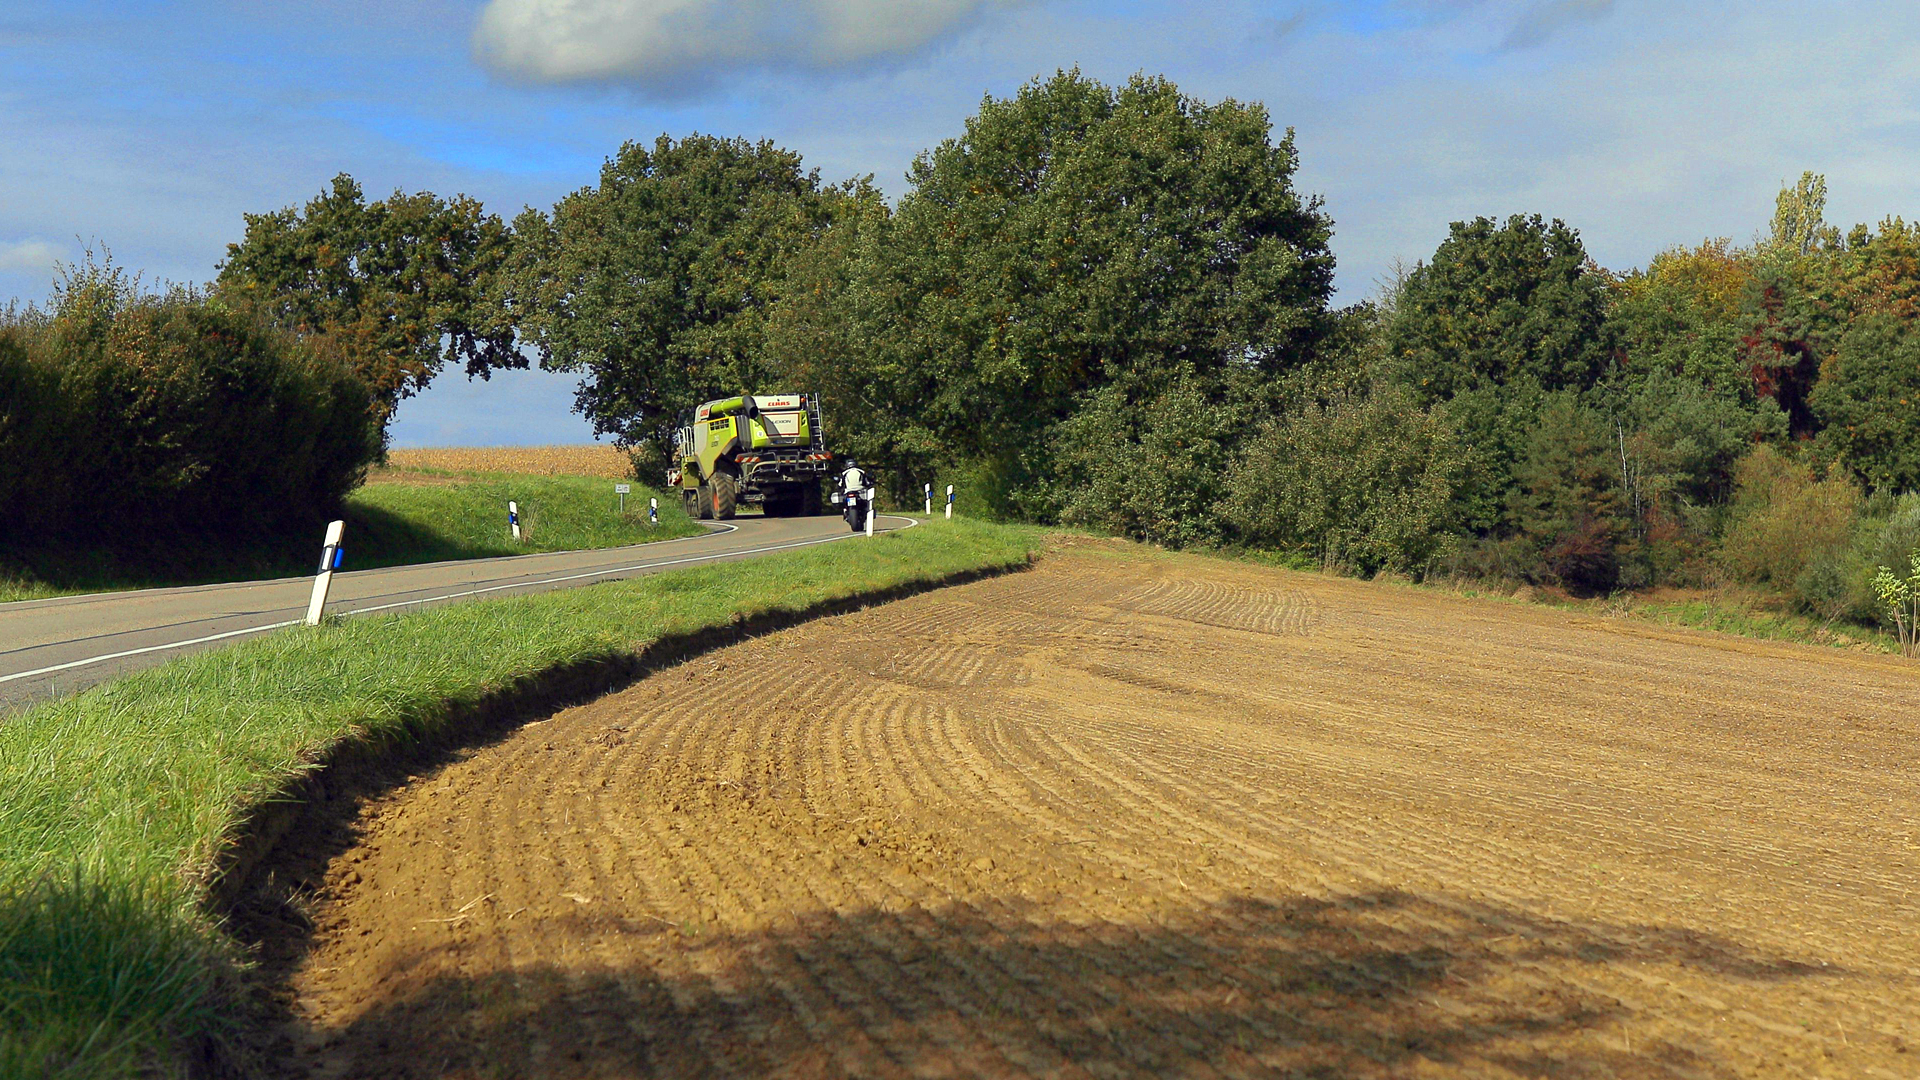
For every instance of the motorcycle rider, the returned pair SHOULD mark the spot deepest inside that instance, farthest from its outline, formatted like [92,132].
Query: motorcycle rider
[857,500]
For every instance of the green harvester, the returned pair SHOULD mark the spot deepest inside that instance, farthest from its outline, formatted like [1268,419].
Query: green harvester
[757,449]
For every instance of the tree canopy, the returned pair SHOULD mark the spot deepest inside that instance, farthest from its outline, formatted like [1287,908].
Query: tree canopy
[395,288]
[655,282]
[1078,235]
[1501,303]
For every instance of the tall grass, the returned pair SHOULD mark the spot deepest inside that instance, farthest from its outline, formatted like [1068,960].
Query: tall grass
[465,517]
[116,805]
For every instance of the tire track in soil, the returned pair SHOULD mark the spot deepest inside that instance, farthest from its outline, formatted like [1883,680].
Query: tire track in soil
[1150,816]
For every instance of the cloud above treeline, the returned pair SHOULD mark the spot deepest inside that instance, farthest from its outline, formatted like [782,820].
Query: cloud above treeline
[30,256]
[669,46]
[1542,20]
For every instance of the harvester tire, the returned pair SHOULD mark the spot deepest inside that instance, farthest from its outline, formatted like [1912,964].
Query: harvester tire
[724,495]
[810,500]
[703,500]
[690,502]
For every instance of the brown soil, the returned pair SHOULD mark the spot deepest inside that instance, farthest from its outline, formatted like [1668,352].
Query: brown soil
[1130,815]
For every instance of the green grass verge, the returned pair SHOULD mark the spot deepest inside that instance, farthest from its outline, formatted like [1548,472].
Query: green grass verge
[116,804]
[466,518]
[1730,617]
[1749,614]
[457,516]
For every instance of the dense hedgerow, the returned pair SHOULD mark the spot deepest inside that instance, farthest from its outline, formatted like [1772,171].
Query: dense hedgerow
[130,417]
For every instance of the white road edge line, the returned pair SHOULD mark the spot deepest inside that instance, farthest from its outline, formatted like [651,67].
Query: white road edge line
[423,600]
[151,648]
[720,528]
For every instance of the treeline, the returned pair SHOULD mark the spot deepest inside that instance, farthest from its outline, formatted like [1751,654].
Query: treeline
[141,427]
[154,421]
[1110,306]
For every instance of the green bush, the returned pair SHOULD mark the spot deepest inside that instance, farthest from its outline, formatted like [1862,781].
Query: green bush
[1785,522]
[1156,472]
[1366,481]
[1839,584]
[1569,501]
[127,416]
[1891,531]
[1868,397]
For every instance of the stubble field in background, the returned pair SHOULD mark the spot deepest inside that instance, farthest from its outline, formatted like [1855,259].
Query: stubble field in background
[590,459]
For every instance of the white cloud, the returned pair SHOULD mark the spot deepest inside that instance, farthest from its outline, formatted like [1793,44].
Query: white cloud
[1541,21]
[670,45]
[30,256]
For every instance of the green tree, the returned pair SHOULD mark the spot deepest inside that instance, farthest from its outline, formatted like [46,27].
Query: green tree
[394,288]
[1868,399]
[1155,470]
[1784,520]
[1800,226]
[831,330]
[1078,235]
[1365,480]
[1684,315]
[656,282]
[1569,500]
[1899,596]
[1501,305]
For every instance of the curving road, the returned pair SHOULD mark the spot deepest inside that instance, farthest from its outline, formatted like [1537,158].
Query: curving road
[53,647]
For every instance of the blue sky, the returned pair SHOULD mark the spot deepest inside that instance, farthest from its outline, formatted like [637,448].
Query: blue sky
[151,127]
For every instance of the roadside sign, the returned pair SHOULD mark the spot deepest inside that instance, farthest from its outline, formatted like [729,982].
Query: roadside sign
[622,489]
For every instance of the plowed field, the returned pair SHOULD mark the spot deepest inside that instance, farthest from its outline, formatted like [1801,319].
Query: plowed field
[1131,815]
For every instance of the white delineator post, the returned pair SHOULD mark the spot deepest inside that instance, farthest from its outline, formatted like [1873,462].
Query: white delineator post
[513,518]
[949,502]
[331,555]
[868,496]
[653,511]
[929,494]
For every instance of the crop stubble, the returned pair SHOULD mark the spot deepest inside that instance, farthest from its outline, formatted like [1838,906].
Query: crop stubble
[585,459]
[1156,816]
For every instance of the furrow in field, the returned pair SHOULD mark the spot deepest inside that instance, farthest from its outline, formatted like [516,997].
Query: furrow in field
[1240,823]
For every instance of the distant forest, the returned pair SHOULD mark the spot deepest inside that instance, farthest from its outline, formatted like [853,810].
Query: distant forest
[1104,306]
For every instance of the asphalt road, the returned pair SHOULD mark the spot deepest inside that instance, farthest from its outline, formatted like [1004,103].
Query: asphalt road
[53,647]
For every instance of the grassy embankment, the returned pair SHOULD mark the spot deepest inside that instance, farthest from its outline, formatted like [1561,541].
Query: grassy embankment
[1725,611]
[116,805]
[408,513]
[1740,612]
[421,516]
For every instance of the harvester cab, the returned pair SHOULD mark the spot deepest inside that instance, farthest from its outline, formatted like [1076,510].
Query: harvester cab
[767,450]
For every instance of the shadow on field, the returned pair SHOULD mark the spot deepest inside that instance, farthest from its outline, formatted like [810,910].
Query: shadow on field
[1385,984]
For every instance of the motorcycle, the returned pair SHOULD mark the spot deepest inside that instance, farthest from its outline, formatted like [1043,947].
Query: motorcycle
[854,507]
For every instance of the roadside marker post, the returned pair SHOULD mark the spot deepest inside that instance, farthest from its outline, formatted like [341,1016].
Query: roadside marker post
[653,511]
[513,518]
[929,494]
[621,490]
[868,495]
[332,557]
[949,502]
